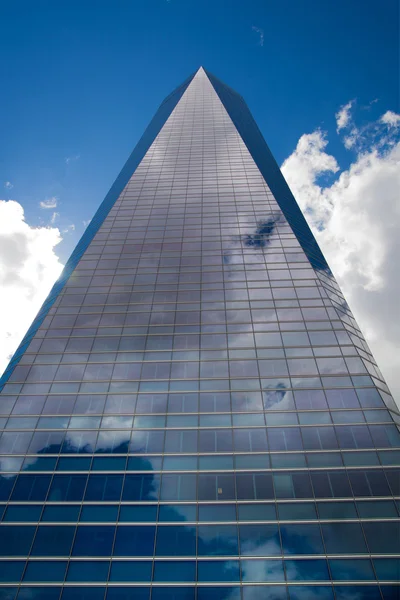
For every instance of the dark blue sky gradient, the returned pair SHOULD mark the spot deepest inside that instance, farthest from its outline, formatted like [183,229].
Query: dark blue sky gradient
[84,77]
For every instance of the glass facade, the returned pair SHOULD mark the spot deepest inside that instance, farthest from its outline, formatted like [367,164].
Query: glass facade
[195,414]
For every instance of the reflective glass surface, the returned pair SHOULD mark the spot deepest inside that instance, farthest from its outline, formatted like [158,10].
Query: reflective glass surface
[196,414]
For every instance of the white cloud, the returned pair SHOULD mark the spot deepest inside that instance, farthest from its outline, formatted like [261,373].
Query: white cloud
[304,165]
[69,229]
[28,269]
[356,221]
[54,217]
[70,159]
[351,139]
[49,202]
[343,116]
[8,185]
[390,118]
[260,34]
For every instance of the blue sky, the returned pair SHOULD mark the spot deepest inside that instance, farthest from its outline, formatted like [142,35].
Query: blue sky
[83,79]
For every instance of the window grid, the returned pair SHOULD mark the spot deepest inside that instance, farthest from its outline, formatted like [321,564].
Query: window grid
[197,414]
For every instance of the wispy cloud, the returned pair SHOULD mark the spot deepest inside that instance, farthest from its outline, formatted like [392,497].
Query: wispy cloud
[370,104]
[343,116]
[359,138]
[49,202]
[86,223]
[54,217]
[70,159]
[352,138]
[69,229]
[260,34]
[8,185]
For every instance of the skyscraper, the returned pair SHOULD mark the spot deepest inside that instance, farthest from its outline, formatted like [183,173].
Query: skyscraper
[195,414]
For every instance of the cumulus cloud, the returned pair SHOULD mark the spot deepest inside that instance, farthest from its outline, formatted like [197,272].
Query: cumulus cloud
[390,118]
[305,165]
[49,202]
[356,220]
[28,269]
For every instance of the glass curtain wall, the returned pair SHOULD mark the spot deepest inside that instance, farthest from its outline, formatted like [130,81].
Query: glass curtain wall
[198,417]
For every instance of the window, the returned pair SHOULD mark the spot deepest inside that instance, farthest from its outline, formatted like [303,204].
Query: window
[131,571]
[54,540]
[134,540]
[176,541]
[208,571]
[351,569]
[256,540]
[104,487]
[178,487]
[383,538]
[301,539]
[93,540]
[254,486]
[217,540]
[343,538]
[306,570]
